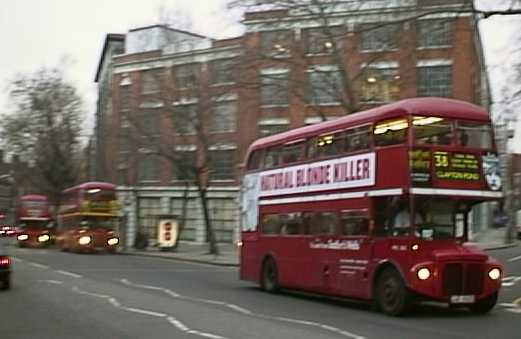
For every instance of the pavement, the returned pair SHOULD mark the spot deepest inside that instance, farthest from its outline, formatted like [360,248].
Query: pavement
[229,253]
[195,252]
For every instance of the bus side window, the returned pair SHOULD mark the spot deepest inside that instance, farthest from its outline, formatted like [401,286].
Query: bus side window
[358,139]
[270,224]
[382,215]
[354,222]
[255,160]
[323,223]
[391,132]
[291,224]
[293,152]
[327,145]
[272,157]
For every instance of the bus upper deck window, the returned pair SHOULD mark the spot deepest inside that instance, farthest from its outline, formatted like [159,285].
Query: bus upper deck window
[272,157]
[391,132]
[254,162]
[432,130]
[358,139]
[327,145]
[474,134]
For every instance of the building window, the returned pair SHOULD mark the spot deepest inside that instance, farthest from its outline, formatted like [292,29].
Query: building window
[222,164]
[380,85]
[222,71]
[186,76]
[274,89]
[224,215]
[151,81]
[275,43]
[379,38]
[224,117]
[149,168]
[185,119]
[322,40]
[324,87]
[269,127]
[434,81]
[149,210]
[151,129]
[185,165]
[433,33]
[124,98]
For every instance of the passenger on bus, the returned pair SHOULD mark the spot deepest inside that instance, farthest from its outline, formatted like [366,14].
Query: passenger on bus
[401,222]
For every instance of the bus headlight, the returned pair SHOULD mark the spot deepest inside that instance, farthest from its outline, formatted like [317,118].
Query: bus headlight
[22,237]
[44,238]
[423,273]
[113,241]
[494,273]
[85,240]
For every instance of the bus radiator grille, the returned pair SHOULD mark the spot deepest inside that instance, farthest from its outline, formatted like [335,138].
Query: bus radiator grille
[462,279]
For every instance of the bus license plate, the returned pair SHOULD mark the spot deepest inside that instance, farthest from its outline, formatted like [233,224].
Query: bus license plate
[462,299]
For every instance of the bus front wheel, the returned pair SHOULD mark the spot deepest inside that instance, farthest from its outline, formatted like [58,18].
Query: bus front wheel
[392,296]
[484,306]
[269,279]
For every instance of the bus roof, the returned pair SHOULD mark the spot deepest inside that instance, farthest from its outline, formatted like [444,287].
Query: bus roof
[91,184]
[441,107]
[33,197]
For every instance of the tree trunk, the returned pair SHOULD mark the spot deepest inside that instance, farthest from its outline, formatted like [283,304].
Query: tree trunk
[210,235]
[182,221]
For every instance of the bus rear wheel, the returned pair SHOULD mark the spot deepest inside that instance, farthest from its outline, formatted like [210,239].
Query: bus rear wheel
[392,296]
[270,276]
[484,306]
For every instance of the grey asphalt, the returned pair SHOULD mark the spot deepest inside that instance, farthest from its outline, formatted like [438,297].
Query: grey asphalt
[64,295]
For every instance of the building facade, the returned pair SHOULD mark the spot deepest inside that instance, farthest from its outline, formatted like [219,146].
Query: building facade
[173,102]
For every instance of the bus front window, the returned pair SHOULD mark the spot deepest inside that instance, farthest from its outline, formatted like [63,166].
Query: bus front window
[442,218]
[108,223]
[432,131]
[474,134]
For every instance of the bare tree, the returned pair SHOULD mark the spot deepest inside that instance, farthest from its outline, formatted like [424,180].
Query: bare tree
[44,129]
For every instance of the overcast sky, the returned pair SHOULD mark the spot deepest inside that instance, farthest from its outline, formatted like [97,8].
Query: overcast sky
[36,33]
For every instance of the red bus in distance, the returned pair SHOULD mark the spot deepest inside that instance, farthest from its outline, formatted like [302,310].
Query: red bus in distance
[34,221]
[88,218]
[375,205]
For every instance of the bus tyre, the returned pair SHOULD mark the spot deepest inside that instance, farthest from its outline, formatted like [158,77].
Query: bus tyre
[270,276]
[392,296]
[484,306]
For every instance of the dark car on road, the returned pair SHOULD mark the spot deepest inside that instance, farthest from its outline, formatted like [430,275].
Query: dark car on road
[5,269]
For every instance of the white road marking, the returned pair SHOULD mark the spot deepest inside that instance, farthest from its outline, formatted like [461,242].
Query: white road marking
[510,281]
[38,265]
[55,282]
[73,275]
[514,307]
[15,259]
[145,312]
[507,305]
[514,259]
[241,310]
[179,325]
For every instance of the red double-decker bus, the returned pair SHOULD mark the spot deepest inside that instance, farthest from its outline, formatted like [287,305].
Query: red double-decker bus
[375,205]
[34,221]
[88,218]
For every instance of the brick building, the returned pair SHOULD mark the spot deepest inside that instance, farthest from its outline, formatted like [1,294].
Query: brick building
[208,99]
